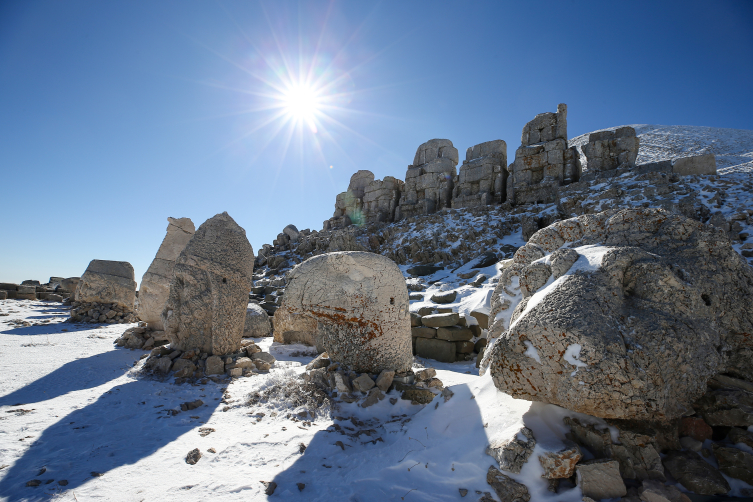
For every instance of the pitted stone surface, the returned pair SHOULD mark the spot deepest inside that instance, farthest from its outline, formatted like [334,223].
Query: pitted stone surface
[107,282]
[155,284]
[655,306]
[257,322]
[206,308]
[360,302]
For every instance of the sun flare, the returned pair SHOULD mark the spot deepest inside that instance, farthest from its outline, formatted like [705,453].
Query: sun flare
[302,102]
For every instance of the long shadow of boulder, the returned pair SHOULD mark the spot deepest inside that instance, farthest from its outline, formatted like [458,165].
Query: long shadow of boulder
[84,373]
[120,428]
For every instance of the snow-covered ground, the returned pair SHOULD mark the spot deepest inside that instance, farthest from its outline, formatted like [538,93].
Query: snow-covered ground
[74,409]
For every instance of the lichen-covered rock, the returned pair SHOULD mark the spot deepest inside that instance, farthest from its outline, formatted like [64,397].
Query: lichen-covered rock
[155,285]
[360,303]
[257,322]
[513,452]
[107,282]
[655,305]
[206,308]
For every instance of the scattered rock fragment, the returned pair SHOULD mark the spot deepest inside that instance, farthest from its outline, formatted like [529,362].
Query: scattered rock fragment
[513,453]
[193,456]
[506,487]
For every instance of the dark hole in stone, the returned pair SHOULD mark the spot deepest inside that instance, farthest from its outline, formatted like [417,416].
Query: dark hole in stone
[706,299]
[392,301]
[224,281]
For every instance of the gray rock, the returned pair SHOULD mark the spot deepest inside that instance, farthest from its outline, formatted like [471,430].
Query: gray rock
[445,297]
[107,282]
[695,474]
[360,303]
[439,350]
[155,284]
[320,361]
[740,436]
[292,232]
[454,333]
[423,332]
[654,491]
[214,366]
[257,323]
[375,395]
[698,165]
[727,407]
[600,479]
[264,356]
[193,456]
[482,318]
[206,309]
[363,383]
[512,453]
[415,320]
[602,341]
[734,463]
[440,320]
[506,487]
[688,443]
[384,380]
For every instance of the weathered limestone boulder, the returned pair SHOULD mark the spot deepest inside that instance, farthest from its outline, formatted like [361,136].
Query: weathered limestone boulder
[70,284]
[349,204]
[543,162]
[257,322]
[360,303]
[107,282]
[429,180]
[293,326]
[155,285]
[608,150]
[206,308]
[380,199]
[483,176]
[631,320]
[698,164]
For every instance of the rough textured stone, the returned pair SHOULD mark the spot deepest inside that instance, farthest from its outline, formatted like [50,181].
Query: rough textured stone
[206,308]
[695,474]
[632,330]
[444,297]
[506,487]
[439,350]
[440,320]
[363,383]
[734,463]
[482,179]
[607,150]
[107,282]
[560,464]
[257,322]
[384,380]
[600,479]
[193,456]
[696,428]
[155,284]
[512,453]
[454,333]
[429,180]
[654,491]
[287,321]
[726,407]
[699,164]
[361,305]
[214,366]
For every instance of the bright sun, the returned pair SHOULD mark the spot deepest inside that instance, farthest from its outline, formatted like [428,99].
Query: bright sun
[302,102]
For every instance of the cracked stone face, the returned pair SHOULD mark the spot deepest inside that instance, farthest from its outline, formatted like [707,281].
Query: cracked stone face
[360,303]
[653,307]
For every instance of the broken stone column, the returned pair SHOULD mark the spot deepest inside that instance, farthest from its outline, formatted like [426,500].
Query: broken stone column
[543,162]
[107,282]
[608,150]
[483,176]
[429,180]
[155,284]
[206,307]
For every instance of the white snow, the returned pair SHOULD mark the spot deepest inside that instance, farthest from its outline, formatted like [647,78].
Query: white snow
[531,351]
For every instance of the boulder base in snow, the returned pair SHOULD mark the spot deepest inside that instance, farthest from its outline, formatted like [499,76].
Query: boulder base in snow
[629,321]
[206,308]
[360,303]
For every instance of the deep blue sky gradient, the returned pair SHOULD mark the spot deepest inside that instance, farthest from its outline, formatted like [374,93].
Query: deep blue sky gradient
[115,115]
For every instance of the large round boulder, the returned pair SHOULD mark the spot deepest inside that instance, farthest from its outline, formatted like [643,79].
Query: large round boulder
[206,307]
[257,322]
[624,314]
[360,304]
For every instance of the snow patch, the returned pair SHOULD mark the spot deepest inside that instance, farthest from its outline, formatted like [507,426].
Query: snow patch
[531,351]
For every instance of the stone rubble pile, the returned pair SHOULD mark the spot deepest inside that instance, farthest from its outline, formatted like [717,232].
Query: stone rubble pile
[106,313]
[636,461]
[341,382]
[56,290]
[446,337]
[187,365]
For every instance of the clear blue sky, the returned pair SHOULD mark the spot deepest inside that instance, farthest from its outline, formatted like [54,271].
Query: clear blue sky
[115,115]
